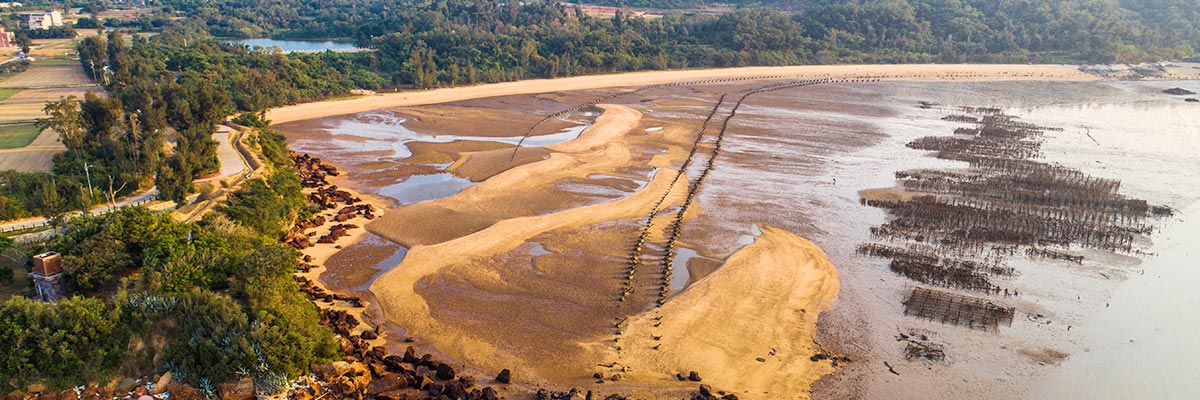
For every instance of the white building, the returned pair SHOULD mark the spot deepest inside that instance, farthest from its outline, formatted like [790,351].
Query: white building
[45,20]
[7,39]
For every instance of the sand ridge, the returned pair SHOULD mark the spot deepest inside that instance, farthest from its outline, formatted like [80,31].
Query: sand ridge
[890,72]
[598,148]
[762,303]
[501,196]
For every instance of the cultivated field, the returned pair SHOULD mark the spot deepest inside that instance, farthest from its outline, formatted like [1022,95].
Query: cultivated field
[47,76]
[17,135]
[22,97]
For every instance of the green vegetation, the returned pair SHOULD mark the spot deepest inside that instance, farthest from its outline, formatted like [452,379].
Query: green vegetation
[72,340]
[17,135]
[424,43]
[5,93]
[210,301]
[268,206]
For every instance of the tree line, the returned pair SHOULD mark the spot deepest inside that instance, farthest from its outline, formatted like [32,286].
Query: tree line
[446,42]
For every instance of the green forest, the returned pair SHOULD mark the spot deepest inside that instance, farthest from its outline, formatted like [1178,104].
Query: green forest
[547,38]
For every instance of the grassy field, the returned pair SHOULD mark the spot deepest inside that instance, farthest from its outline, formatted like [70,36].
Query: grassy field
[8,92]
[17,135]
[57,62]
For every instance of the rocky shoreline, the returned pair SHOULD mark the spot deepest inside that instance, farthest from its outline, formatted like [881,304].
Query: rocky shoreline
[367,370]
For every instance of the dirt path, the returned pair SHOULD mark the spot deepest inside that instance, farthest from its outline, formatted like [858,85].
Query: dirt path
[890,72]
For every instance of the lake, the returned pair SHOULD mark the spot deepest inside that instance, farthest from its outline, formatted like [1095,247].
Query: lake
[304,46]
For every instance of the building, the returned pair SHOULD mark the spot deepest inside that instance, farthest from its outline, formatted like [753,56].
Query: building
[45,20]
[49,279]
[7,39]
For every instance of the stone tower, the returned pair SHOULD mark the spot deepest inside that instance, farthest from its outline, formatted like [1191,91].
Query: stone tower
[49,279]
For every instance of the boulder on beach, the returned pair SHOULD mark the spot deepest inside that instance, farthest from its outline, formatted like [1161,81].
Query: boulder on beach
[1179,91]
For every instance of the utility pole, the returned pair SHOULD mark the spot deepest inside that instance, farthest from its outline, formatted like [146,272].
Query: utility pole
[87,172]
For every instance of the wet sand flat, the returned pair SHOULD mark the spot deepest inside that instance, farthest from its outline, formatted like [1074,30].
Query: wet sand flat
[520,270]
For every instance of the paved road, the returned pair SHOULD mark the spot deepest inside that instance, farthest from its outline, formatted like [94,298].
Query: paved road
[231,162]
[140,198]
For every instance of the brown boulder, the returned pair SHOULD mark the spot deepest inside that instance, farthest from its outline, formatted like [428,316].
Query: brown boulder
[330,372]
[160,386]
[456,389]
[184,392]
[387,383]
[240,390]
[505,376]
[445,372]
[694,376]
[353,381]
[369,335]
[410,355]
[422,382]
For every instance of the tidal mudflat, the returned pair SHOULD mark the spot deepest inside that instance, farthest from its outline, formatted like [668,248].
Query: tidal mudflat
[674,233]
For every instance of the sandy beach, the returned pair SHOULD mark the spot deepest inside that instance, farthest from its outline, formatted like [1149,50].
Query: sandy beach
[891,72]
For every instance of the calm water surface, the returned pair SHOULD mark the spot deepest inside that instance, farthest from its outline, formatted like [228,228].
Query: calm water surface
[306,46]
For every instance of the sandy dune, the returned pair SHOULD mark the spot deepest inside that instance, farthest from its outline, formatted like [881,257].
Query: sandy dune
[893,72]
[762,303]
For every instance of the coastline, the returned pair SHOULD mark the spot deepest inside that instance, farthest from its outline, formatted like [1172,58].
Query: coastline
[914,72]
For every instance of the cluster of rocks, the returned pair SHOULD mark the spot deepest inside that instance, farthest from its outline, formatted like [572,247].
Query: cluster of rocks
[691,376]
[370,372]
[833,359]
[573,394]
[298,236]
[377,375]
[706,393]
[312,170]
[346,213]
[315,293]
[156,386]
[336,232]
[328,197]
